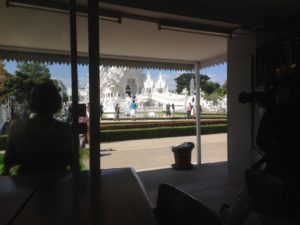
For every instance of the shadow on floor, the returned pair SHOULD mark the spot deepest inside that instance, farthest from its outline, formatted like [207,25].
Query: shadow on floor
[212,183]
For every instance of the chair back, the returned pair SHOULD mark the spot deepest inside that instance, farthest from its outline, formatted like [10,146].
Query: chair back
[176,207]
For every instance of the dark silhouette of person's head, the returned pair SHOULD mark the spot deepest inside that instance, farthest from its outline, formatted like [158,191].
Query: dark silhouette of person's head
[45,99]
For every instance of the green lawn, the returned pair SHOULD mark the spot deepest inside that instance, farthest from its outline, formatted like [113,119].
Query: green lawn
[1,163]
[84,155]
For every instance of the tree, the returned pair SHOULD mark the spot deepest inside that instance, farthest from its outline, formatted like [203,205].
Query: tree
[3,73]
[27,76]
[3,76]
[210,87]
[62,90]
[2,68]
[213,97]
[207,86]
[224,88]
[183,81]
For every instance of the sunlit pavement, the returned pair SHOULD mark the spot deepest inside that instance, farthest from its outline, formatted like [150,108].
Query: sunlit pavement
[149,154]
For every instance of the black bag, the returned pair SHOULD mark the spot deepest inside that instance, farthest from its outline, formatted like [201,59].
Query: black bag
[266,192]
[269,194]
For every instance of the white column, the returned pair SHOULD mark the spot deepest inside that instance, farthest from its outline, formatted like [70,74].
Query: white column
[198,126]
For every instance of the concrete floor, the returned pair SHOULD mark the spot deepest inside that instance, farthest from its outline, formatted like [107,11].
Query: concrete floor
[148,154]
[212,183]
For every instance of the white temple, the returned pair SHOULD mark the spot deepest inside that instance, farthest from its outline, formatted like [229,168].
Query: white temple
[120,85]
[151,86]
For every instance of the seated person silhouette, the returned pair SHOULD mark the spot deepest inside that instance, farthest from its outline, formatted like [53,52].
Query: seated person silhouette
[278,138]
[40,144]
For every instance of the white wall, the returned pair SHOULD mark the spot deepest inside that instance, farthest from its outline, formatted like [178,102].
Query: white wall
[239,54]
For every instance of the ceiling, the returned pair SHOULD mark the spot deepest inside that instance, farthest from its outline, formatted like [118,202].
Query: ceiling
[144,35]
[246,12]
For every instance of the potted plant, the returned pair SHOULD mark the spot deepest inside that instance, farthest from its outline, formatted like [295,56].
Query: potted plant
[183,155]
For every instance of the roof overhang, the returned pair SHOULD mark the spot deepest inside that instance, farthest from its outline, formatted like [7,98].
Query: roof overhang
[134,33]
[154,40]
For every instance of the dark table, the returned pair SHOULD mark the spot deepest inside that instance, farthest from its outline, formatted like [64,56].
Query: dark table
[15,192]
[115,197]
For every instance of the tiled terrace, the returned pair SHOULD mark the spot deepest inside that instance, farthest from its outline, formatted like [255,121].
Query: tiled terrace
[212,183]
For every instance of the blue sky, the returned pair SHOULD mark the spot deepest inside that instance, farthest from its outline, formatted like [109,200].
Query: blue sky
[63,71]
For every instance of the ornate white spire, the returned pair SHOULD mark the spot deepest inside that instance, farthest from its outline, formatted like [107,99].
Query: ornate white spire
[160,84]
[148,84]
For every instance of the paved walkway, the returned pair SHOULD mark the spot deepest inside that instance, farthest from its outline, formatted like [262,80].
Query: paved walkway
[147,154]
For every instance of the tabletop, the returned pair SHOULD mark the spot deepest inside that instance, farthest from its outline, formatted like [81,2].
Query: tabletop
[114,196]
[15,191]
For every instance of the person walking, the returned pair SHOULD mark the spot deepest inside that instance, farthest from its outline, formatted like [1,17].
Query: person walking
[101,111]
[117,112]
[168,110]
[193,112]
[173,109]
[189,109]
[83,136]
[133,107]
[83,121]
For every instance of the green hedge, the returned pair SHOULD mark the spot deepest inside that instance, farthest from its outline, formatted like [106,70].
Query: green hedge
[138,124]
[145,133]
[158,132]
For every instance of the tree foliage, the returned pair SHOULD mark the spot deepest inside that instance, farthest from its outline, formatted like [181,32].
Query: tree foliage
[224,87]
[26,77]
[183,81]
[3,76]
[207,86]
[2,69]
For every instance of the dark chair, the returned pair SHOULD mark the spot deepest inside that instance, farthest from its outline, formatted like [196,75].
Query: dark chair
[175,207]
[272,199]
[266,192]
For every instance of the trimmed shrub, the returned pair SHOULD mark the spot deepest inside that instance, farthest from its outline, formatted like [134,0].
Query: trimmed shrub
[158,132]
[145,133]
[214,129]
[111,126]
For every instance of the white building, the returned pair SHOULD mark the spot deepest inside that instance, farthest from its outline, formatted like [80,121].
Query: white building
[120,82]
[119,85]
